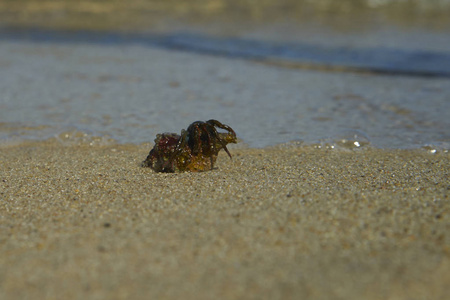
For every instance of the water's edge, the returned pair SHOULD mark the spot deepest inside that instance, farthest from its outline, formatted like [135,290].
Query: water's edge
[128,87]
[385,61]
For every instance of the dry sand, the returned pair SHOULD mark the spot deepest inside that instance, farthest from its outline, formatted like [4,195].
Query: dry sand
[156,14]
[87,222]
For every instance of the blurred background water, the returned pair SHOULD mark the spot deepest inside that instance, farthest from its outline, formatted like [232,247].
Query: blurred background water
[329,73]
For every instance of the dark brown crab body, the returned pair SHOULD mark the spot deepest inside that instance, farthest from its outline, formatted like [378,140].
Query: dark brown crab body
[196,149]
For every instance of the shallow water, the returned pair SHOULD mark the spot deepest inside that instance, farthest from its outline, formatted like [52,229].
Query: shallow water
[129,87]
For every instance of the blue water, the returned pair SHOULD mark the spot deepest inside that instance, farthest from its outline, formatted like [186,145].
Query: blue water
[129,87]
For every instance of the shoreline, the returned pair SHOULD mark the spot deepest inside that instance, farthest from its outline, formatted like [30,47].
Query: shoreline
[347,143]
[279,222]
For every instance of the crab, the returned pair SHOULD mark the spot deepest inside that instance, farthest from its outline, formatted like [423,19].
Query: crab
[195,150]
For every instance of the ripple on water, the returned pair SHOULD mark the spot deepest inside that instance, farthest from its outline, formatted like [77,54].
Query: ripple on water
[349,139]
[441,147]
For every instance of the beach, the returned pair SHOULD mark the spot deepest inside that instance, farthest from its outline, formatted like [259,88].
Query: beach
[338,187]
[285,222]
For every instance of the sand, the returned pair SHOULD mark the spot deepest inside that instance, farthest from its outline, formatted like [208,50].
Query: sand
[288,222]
[132,14]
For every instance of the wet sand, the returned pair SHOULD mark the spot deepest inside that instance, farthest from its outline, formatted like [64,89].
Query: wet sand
[87,222]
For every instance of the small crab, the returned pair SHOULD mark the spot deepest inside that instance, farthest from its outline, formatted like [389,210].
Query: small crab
[195,150]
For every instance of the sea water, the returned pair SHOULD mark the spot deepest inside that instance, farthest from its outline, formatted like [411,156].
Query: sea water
[126,88]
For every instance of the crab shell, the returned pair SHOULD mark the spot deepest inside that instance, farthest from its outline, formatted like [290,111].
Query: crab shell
[161,156]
